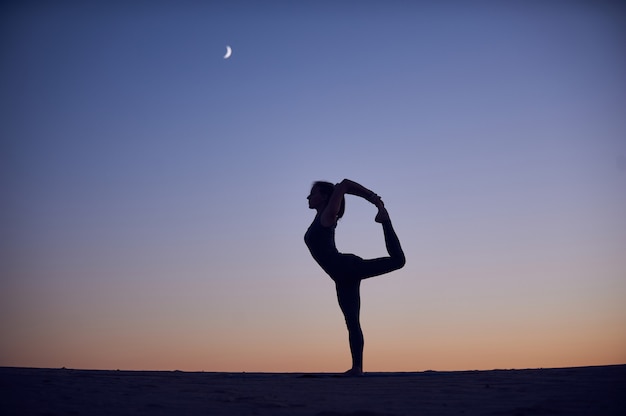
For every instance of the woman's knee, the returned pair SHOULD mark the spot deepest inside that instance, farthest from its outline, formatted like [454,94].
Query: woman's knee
[400,261]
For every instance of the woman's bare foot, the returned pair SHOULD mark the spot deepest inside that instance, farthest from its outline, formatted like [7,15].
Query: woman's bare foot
[382,215]
[353,372]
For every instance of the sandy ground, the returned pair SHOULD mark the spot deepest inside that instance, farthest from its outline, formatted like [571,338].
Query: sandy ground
[566,391]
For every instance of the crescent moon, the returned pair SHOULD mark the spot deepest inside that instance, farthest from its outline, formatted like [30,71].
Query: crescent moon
[229,52]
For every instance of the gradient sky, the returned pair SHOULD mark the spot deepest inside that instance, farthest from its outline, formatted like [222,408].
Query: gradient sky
[154,194]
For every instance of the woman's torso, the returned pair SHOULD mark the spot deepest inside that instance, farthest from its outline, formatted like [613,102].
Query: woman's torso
[321,243]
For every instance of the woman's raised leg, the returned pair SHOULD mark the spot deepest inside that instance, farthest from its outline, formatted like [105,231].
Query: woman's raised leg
[396,260]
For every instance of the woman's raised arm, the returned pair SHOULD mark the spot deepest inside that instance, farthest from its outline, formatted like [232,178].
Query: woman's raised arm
[346,186]
[354,188]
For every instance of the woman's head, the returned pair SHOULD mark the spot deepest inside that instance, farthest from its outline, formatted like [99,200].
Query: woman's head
[320,194]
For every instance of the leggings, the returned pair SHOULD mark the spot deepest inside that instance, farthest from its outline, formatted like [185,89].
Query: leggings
[349,272]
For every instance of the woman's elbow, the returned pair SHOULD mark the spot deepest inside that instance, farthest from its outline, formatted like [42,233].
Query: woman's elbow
[343,185]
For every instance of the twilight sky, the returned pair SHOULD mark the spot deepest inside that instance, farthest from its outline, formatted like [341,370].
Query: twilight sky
[153,200]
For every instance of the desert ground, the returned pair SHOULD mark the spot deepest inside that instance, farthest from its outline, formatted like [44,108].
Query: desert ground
[559,391]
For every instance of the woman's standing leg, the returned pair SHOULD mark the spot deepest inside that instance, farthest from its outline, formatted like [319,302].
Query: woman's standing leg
[348,295]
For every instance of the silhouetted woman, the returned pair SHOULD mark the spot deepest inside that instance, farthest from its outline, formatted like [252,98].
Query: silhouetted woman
[347,270]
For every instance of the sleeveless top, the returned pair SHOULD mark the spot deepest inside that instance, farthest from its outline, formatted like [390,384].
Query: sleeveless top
[321,243]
